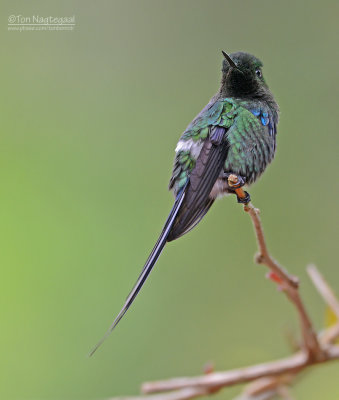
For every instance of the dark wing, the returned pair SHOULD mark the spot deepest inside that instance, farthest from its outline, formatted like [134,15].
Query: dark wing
[207,168]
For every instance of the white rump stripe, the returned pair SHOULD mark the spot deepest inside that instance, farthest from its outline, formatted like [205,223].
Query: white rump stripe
[190,145]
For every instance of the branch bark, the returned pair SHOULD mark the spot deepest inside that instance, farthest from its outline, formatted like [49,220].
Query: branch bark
[289,284]
[293,364]
[323,288]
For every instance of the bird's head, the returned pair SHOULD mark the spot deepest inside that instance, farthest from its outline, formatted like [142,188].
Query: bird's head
[242,76]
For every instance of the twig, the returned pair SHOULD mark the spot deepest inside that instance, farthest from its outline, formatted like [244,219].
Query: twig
[331,333]
[323,288]
[284,392]
[292,364]
[269,395]
[267,384]
[182,394]
[289,284]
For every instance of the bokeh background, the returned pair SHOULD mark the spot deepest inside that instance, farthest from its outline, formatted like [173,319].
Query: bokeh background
[89,123]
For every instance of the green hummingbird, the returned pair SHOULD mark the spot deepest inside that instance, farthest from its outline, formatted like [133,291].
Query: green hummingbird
[234,134]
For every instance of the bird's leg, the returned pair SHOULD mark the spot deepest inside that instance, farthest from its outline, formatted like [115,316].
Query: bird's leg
[236,182]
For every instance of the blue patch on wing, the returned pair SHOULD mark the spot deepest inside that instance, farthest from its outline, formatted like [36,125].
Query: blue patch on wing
[256,112]
[265,119]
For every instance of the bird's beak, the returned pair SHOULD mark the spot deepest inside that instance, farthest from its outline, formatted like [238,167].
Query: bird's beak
[229,60]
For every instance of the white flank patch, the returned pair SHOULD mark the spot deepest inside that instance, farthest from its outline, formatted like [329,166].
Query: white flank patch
[190,145]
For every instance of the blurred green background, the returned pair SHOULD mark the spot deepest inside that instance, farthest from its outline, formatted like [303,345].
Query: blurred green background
[89,123]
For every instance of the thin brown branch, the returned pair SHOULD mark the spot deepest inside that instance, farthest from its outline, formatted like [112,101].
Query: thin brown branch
[268,395]
[323,288]
[284,392]
[292,364]
[330,335]
[182,394]
[264,257]
[268,383]
[232,377]
[288,284]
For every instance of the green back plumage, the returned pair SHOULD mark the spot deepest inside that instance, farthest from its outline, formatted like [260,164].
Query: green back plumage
[251,138]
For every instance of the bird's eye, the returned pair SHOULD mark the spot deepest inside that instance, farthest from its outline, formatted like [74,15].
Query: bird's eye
[258,72]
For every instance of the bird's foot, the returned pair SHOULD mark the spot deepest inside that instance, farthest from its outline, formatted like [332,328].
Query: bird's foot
[236,182]
[244,197]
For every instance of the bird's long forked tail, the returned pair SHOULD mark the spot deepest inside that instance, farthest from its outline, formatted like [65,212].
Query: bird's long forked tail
[152,259]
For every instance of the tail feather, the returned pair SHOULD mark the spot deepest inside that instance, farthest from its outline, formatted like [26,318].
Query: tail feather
[152,259]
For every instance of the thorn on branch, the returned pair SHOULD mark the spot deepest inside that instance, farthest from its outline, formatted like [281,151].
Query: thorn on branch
[259,258]
[274,278]
[208,368]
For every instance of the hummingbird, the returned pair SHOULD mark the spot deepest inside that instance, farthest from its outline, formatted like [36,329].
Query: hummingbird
[235,133]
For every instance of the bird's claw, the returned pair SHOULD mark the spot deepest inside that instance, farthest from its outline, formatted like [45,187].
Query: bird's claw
[244,200]
[240,182]
[235,181]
